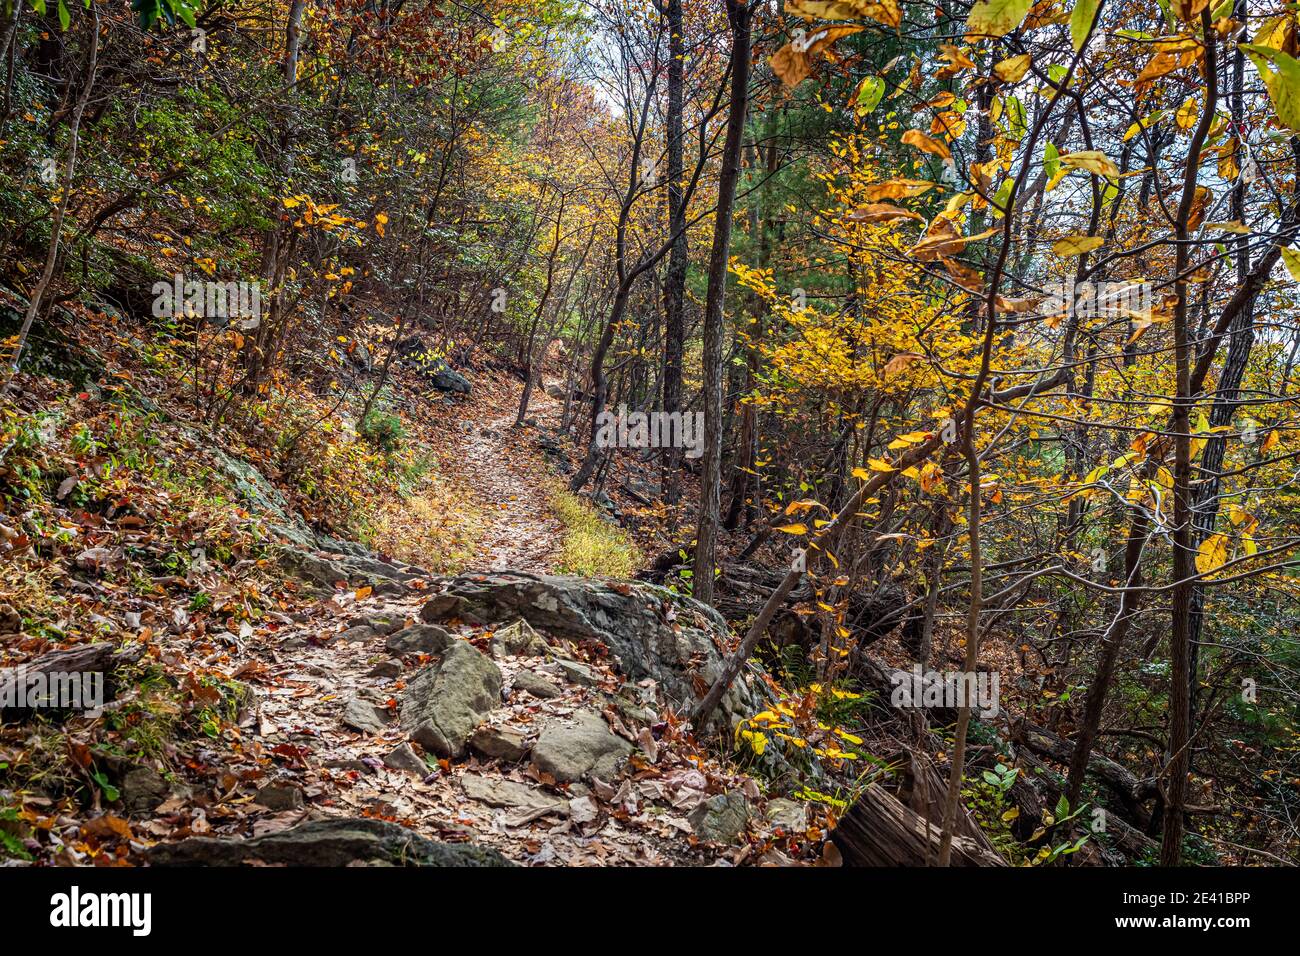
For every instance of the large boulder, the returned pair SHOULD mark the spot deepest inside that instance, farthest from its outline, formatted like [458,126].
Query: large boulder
[649,630]
[579,746]
[336,842]
[446,700]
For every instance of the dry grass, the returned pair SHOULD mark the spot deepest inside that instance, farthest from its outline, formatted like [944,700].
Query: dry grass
[436,527]
[592,546]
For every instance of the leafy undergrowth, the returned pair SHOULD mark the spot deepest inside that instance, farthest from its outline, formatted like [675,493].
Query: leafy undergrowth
[592,546]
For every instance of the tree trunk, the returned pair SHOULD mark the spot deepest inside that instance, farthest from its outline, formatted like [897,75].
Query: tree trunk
[739,16]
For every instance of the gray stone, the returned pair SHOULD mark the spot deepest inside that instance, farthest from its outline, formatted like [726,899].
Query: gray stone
[419,639]
[790,815]
[721,818]
[364,716]
[334,842]
[518,640]
[576,673]
[382,623]
[404,757]
[499,742]
[280,795]
[582,745]
[357,635]
[449,698]
[389,670]
[440,607]
[498,792]
[536,684]
[142,789]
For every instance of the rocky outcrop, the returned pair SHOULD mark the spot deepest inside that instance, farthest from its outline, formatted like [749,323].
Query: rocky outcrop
[650,631]
[337,842]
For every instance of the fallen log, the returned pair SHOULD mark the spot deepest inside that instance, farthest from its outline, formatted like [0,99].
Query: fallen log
[1131,790]
[64,674]
[879,830]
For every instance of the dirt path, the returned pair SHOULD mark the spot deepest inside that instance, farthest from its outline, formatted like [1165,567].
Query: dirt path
[510,479]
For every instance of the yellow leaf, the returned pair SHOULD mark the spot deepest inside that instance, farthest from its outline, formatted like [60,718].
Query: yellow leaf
[1092,161]
[887,12]
[1076,245]
[896,189]
[1013,69]
[1291,259]
[877,212]
[799,528]
[1212,554]
[1189,11]
[1187,114]
[925,144]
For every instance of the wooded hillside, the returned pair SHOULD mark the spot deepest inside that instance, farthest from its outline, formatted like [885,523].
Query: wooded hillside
[772,432]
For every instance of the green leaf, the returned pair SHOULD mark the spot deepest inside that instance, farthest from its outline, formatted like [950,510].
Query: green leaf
[1062,808]
[996,17]
[870,92]
[1051,160]
[65,18]
[1081,19]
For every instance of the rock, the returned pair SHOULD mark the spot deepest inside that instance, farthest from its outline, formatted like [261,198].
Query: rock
[390,670]
[446,379]
[280,795]
[357,635]
[447,699]
[364,716]
[348,569]
[536,684]
[420,639]
[576,673]
[583,745]
[500,742]
[142,789]
[347,763]
[498,792]
[790,815]
[380,623]
[721,818]
[404,757]
[440,607]
[334,842]
[650,632]
[518,640]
